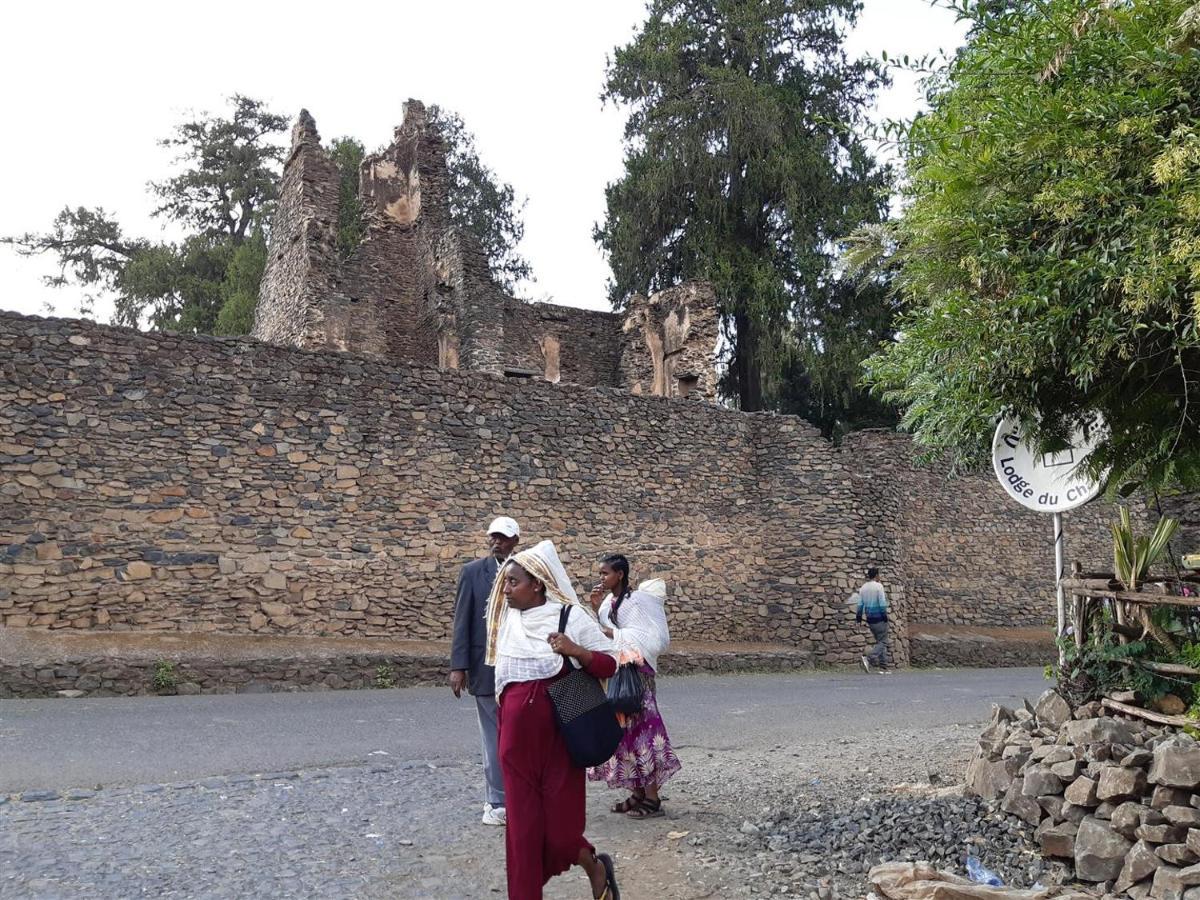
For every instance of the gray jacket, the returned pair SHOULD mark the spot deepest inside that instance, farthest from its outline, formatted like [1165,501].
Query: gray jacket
[469,645]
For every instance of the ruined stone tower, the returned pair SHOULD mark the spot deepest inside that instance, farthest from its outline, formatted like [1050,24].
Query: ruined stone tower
[416,289]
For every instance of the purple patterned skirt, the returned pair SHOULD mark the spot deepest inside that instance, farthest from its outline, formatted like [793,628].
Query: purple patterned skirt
[644,757]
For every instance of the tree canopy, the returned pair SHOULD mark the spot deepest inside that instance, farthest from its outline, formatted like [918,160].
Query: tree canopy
[482,204]
[1048,259]
[743,167]
[223,194]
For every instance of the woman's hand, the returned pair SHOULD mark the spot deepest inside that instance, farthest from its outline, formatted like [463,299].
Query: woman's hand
[596,597]
[560,643]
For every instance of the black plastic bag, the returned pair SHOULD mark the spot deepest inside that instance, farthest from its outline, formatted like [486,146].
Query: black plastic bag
[625,689]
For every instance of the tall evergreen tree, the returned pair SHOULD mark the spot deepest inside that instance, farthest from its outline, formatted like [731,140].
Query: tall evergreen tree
[743,167]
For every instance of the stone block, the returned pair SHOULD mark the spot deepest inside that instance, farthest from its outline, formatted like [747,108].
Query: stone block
[1176,764]
[1101,730]
[987,779]
[1052,710]
[1082,792]
[275,581]
[1040,781]
[1058,840]
[1140,862]
[1021,804]
[1163,796]
[1126,818]
[1099,851]
[1068,770]
[1119,783]
[1161,834]
[1176,854]
[1183,815]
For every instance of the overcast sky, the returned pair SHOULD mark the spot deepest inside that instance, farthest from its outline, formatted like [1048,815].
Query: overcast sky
[90,87]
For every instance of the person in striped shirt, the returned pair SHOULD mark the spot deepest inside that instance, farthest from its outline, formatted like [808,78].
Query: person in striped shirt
[873,606]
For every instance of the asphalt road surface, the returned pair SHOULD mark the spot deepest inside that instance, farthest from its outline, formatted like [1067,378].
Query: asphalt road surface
[56,744]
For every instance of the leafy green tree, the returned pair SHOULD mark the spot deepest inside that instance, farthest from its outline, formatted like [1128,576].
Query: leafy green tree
[742,167]
[481,204]
[223,193]
[1049,255]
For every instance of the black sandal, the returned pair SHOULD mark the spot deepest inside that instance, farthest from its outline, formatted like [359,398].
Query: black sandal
[630,802]
[647,809]
[611,891]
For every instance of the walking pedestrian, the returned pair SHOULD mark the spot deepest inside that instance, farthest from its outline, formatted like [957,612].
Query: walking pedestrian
[873,606]
[545,791]
[636,621]
[468,667]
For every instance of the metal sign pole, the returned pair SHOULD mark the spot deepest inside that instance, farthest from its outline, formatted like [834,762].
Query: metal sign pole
[1058,577]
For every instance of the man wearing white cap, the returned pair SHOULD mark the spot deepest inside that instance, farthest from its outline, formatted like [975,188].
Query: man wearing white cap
[468,668]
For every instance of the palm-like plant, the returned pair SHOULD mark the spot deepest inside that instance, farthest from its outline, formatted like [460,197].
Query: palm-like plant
[1133,555]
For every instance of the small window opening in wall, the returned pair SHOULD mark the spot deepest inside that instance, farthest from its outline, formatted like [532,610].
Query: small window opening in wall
[687,384]
[520,373]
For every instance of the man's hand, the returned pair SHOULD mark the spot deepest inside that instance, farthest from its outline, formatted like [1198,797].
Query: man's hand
[458,681]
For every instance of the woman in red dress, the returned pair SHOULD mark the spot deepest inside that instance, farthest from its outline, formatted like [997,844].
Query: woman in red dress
[544,792]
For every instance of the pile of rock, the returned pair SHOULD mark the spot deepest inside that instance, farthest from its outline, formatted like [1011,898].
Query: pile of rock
[1116,797]
[940,830]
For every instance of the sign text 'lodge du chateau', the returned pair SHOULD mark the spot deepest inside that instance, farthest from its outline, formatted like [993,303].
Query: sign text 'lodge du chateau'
[1044,482]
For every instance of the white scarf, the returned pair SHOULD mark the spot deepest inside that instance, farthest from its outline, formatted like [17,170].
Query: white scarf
[515,633]
[523,632]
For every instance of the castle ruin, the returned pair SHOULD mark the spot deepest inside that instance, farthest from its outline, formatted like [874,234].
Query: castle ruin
[416,289]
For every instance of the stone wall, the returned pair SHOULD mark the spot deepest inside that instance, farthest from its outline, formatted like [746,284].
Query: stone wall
[972,555]
[169,482]
[272,669]
[154,481]
[558,343]
[669,343]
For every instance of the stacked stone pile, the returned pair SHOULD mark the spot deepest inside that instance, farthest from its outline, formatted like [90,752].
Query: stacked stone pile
[1116,798]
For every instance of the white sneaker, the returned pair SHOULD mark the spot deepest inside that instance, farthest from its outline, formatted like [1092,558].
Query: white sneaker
[494,815]
[866,664]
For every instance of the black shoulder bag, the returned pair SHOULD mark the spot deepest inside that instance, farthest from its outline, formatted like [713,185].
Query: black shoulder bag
[585,717]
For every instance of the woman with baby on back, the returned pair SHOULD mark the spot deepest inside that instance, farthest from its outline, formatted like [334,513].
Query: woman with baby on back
[637,623]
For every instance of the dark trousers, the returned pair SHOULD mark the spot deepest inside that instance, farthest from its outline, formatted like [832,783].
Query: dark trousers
[878,654]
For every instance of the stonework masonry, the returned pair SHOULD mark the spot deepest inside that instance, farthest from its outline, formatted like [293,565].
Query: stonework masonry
[416,289]
[164,482]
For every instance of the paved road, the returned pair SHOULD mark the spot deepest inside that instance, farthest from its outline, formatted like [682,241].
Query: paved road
[57,744]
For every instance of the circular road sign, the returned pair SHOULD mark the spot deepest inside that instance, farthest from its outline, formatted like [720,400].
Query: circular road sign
[1043,482]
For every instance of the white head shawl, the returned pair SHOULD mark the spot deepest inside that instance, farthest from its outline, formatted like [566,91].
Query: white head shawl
[542,562]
